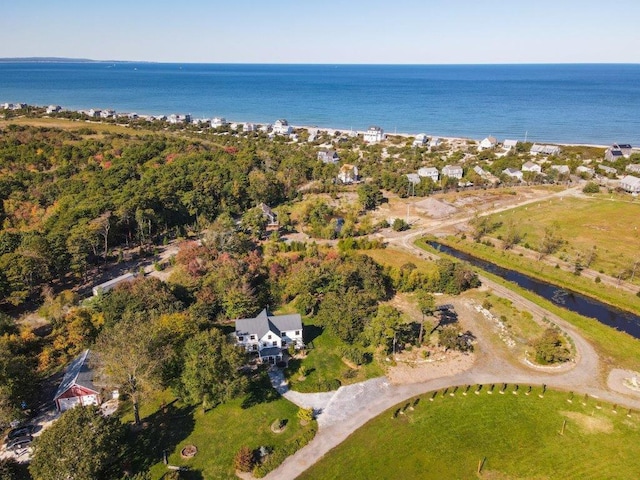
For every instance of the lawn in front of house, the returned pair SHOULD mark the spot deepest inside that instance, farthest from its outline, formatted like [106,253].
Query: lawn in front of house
[517,436]
[217,433]
[323,365]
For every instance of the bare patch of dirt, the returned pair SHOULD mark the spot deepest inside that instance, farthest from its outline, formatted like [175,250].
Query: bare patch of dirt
[435,208]
[590,424]
[413,368]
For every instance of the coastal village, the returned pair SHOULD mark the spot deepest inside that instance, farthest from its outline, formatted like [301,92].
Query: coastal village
[341,246]
[541,163]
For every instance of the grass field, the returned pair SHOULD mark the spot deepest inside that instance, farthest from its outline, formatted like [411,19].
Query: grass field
[396,258]
[65,124]
[608,222]
[325,366]
[218,434]
[517,435]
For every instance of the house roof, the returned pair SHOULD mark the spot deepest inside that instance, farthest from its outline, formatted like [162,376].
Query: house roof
[115,281]
[78,373]
[630,180]
[452,168]
[427,171]
[510,143]
[374,128]
[531,165]
[267,322]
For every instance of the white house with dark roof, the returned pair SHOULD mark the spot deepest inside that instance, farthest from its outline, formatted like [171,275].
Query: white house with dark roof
[269,334]
[53,109]
[374,134]
[328,156]
[453,171]
[77,386]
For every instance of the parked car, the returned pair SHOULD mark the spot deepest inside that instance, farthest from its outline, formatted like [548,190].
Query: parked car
[20,432]
[19,443]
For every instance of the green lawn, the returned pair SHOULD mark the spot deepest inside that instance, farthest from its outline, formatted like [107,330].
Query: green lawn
[218,434]
[323,362]
[518,435]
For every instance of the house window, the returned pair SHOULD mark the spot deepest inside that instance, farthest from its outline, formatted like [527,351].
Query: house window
[241,339]
[284,334]
[275,344]
[253,337]
[255,347]
[297,332]
[269,337]
[264,344]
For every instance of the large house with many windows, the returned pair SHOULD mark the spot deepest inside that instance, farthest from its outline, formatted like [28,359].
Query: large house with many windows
[269,334]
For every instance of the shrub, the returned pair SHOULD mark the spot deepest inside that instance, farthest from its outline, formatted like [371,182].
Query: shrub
[591,187]
[598,279]
[399,225]
[244,459]
[550,347]
[305,414]
[354,355]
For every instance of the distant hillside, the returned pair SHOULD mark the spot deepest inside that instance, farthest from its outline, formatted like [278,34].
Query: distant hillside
[50,60]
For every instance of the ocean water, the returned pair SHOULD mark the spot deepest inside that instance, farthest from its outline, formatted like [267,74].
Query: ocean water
[597,104]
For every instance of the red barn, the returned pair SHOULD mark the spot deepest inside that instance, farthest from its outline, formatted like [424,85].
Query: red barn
[77,386]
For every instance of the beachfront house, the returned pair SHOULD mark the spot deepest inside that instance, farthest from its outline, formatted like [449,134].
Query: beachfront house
[544,149]
[328,156]
[218,122]
[452,171]
[630,184]
[513,173]
[108,113]
[348,174]
[487,144]
[53,109]
[268,335]
[248,127]
[106,286]
[633,168]
[435,142]
[175,119]
[374,134]
[429,172]
[282,127]
[509,145]
[77,386]
[420,140]
[617,151]
[532,167]
[93,113]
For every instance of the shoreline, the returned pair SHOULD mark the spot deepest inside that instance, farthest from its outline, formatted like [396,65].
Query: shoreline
[308,128]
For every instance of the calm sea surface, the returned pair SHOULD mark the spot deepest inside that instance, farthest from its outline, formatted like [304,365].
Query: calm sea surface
[556,103]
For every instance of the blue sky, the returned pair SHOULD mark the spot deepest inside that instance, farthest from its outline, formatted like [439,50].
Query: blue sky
[328,31]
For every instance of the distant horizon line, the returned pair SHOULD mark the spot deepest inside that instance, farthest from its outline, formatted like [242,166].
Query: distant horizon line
[89,60]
